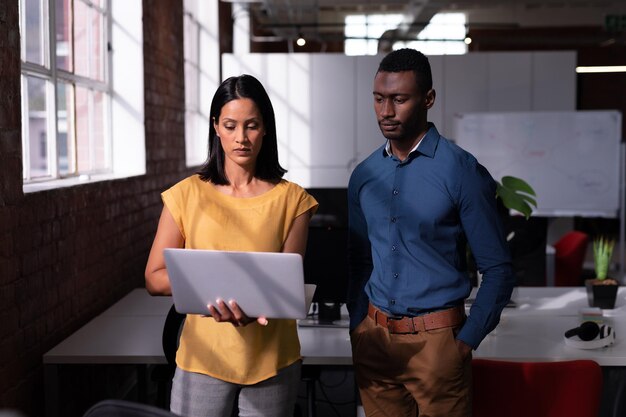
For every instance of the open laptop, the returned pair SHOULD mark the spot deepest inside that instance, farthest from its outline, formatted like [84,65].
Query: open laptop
[269,284]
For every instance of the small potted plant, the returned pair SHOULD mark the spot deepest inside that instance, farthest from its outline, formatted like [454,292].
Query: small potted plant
[602,290]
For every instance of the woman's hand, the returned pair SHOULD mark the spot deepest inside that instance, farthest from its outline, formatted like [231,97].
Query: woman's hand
[231,313]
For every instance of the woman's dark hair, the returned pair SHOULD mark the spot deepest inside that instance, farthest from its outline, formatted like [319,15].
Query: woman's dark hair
[267,166]
[407,59]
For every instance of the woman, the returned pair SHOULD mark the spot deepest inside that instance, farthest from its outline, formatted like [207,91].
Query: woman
[237,201]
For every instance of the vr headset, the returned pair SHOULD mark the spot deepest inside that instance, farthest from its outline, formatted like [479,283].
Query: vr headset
[590,335]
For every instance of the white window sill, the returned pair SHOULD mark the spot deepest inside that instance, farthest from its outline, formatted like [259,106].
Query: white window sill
[33,187]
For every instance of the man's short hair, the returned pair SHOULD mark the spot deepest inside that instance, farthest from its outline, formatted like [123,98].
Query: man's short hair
[407,59]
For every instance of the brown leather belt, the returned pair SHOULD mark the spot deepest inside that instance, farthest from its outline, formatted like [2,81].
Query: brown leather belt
[445,318]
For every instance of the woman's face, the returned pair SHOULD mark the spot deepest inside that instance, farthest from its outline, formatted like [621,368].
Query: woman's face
[241,130]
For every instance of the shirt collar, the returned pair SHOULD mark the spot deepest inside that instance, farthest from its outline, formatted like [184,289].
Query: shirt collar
[426,145]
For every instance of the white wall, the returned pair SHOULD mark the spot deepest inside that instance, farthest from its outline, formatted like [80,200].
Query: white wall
[324,107]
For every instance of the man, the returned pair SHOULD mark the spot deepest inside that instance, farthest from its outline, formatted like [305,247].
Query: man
[414,204]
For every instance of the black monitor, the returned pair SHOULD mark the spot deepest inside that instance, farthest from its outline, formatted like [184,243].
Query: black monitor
[326,259]
[326,264]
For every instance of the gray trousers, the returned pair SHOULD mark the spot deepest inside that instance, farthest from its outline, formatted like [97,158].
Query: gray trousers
[199,395]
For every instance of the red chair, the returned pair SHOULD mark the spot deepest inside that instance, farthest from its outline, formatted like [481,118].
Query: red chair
[537,389]
[569,257]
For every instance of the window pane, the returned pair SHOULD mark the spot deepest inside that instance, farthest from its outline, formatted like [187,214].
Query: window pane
[97,39]
[65,133]
[33,31]
[100,3]
[37,127]
[83,159]
[97,130]
[64,34]
[81,38]
[91,148]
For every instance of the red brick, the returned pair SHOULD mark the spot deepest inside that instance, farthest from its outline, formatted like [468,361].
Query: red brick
[31,263]
[11,141]
[6,246]
[9,322]
[7,296]
[10,372]
[11,179]
[9,270]
[34,333]
[8,219]
[30,310]
[45,209]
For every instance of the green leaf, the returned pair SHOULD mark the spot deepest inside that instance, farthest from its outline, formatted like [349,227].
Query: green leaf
[518,185]
[602,253]
[515,194]
[514,201]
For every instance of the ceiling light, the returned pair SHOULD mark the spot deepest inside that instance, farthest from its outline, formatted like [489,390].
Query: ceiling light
[601,69]
[301,41]
[467,40]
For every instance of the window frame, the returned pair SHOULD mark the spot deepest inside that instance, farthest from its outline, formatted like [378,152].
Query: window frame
[55,77]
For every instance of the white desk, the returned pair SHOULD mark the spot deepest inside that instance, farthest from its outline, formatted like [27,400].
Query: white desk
[130,332]
[557,301]
[139,303]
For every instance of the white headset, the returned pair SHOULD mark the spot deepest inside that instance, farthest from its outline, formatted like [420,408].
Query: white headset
[605,336]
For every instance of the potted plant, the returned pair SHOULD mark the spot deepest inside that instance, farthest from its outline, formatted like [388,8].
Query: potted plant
[602,290]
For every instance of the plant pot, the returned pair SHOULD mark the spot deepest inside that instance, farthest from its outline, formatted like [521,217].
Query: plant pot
[601,294]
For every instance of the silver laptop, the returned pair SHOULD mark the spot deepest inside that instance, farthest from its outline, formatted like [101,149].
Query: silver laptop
[266,284]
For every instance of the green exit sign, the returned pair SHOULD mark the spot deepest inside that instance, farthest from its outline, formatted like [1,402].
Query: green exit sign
[615,22]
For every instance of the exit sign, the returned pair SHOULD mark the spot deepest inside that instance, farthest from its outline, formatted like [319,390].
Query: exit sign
[615,22]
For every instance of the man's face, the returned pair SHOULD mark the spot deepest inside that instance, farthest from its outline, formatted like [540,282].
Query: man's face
[400,105]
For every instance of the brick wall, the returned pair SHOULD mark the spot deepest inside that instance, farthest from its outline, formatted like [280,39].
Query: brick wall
[67,254]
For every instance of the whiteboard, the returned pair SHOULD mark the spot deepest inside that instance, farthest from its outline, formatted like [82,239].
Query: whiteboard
[570,158]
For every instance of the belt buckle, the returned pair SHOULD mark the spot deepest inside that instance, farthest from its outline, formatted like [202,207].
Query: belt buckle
[411,327]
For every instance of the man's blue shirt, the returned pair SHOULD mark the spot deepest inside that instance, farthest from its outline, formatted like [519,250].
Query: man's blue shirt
[409,224]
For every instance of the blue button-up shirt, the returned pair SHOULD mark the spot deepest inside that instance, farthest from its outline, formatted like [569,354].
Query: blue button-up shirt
[409,224]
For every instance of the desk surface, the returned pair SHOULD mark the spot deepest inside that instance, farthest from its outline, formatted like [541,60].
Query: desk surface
[557,301]
[130,331]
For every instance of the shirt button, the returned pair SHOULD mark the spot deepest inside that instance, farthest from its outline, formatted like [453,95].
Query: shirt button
[395,192]
[393,247]
[393,302]
[395,275]
[393,220]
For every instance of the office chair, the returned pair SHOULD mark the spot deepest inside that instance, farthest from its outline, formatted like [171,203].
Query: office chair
[538,389]
[569,257]
[123,408]
[163,374]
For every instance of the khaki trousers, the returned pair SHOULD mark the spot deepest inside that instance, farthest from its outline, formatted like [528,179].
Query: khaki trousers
[408,375]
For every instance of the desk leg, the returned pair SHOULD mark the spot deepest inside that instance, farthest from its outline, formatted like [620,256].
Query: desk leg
[310,397]
[51,390]
[142,383]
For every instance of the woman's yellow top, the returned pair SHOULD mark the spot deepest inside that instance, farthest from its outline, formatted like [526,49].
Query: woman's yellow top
[209,219]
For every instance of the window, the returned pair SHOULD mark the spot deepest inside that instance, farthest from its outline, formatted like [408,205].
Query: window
[363,31]
[201,75]
[64,78]
[82,99]
[444,35]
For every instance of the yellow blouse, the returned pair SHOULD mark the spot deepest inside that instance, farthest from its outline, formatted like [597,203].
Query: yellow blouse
[209,219]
